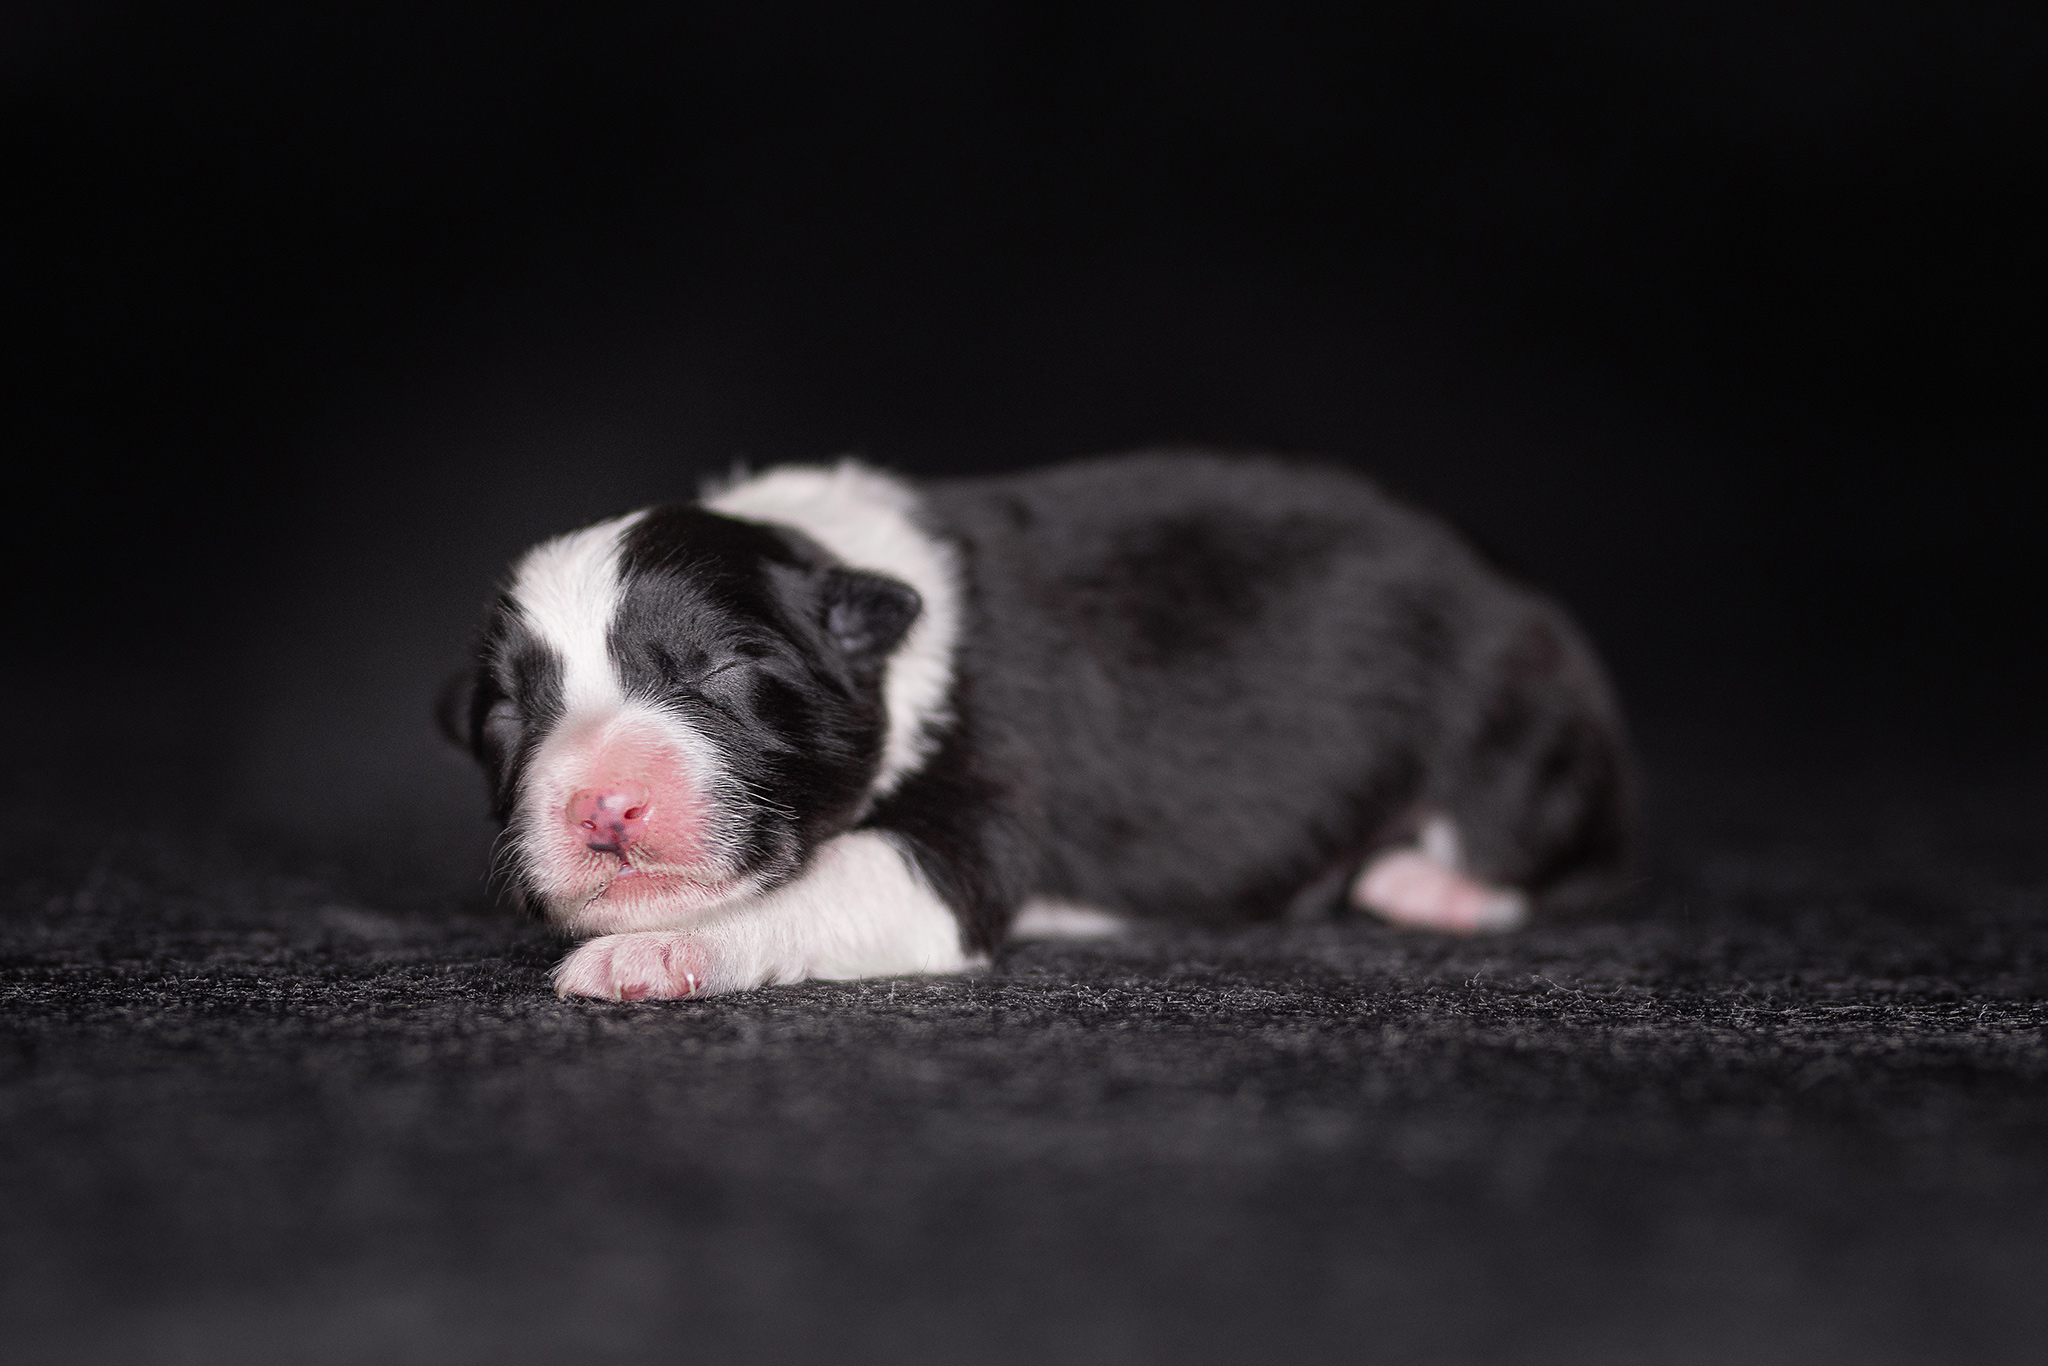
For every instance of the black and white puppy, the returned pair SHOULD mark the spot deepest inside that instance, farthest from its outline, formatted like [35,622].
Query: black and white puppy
[829,723]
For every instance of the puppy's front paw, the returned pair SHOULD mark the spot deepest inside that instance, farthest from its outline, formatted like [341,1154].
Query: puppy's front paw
[635,967]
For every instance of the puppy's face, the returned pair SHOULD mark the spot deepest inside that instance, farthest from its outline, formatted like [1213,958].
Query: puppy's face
[673,709]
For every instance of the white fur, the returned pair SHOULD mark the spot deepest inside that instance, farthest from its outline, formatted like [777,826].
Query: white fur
[869,520]
[860,910]
[567,591]
[1044,918]
[1440,842]
[570,877]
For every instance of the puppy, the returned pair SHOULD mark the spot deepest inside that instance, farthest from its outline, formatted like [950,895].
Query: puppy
[830,723]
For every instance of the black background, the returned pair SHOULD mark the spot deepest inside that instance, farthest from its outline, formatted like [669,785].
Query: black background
[1721,321]
[1718,320]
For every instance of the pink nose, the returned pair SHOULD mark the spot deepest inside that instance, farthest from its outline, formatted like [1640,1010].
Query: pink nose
[610,819]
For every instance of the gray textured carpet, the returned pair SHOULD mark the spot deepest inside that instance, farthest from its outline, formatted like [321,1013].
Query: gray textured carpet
[1789,1104]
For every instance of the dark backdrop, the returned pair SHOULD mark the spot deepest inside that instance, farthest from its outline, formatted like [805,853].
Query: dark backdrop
[1718,320]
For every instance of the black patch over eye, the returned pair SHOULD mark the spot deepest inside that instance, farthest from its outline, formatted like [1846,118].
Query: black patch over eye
[866,614]
[721,671]
[720,698]
[499,730]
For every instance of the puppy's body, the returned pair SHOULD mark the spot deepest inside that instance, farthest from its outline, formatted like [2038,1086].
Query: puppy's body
[833,725]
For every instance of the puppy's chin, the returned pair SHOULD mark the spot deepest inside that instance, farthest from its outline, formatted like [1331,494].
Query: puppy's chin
[635,900]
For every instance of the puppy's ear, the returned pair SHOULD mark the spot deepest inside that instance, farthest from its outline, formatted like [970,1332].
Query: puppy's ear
[451,709]
[868,614]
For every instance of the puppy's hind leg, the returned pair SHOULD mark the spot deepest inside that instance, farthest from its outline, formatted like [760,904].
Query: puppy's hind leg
[1532,799]
[1425,888]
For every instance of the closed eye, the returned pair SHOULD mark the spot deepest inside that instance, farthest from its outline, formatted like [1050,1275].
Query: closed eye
[693,691]
[503,717]
[723,668]
[499,733]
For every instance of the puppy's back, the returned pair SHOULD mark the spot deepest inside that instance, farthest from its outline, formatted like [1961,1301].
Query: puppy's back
[1220,680]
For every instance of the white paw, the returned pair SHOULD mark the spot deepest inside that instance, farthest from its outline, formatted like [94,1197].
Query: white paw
[636,967]
[1045,918]
[1410,888]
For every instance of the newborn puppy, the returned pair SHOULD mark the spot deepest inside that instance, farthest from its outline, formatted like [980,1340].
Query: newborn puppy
[830,723]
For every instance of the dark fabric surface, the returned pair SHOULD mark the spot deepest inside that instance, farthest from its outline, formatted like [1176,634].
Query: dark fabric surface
[1789,1103]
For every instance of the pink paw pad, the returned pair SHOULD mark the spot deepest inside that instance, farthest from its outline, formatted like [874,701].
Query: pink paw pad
[1407,887]
[634,967]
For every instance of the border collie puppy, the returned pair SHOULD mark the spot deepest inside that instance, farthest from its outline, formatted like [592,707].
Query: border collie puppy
[829,723]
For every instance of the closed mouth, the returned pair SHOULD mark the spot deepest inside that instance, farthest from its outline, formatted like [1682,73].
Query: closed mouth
[644,896]
[634,884]
[637,881]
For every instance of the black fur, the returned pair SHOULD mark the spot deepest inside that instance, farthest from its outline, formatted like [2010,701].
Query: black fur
[514,695]
[1187,686]
[1208,688]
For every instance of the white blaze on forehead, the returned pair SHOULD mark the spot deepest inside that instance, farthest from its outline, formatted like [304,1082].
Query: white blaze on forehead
[567,592]
[868,519]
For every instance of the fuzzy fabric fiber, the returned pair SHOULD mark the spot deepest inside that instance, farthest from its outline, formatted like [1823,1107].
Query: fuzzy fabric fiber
[1788,1104]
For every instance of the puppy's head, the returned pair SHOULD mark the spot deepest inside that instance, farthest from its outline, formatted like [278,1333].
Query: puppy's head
[672,709]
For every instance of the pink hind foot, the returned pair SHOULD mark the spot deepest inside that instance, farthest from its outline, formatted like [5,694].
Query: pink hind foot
[1408,887]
